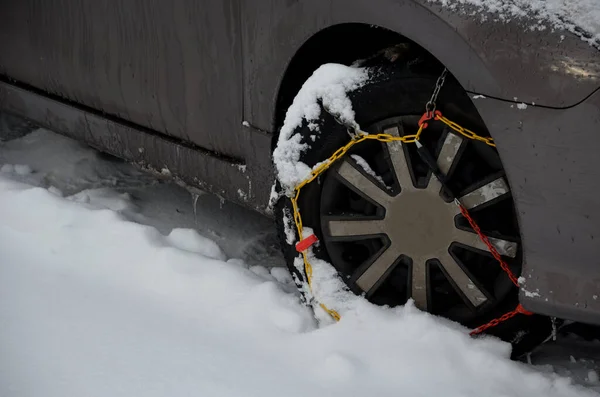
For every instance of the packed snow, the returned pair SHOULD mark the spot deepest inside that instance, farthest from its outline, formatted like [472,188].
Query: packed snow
[104,306]
[328,85]
[96,301]
[67,168]
[581,17]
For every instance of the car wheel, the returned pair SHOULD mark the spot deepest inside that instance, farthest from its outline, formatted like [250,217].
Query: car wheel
[388,229]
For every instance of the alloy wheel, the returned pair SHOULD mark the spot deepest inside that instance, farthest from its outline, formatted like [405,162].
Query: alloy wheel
[393,234]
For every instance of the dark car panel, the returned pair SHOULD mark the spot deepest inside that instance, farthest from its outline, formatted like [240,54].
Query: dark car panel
[173,67]
[531,62]
[224,176]
[501,59]
[166,85]
[155,63]
[551,160]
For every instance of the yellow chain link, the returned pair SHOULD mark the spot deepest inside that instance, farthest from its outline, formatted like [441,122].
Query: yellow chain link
[362,136]
[465,132]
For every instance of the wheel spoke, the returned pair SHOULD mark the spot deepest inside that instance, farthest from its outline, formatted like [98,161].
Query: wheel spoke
[504,247]
[450,152]
[462,281]
[355,228]
[485,193]
[382,265]
[434,186]
[362,185]
[447,159]
[399,161]
[419,284]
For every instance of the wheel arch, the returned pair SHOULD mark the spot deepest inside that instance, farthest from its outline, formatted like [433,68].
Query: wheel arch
[419,26]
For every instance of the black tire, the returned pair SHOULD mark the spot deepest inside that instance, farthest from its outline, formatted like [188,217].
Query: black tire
[401,90]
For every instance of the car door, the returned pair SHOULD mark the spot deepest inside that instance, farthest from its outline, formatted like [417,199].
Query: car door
[172,67]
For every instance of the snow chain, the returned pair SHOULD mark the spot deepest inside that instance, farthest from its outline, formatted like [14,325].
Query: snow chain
[359,136]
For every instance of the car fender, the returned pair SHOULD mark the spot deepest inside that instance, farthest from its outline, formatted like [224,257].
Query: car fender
[500,59]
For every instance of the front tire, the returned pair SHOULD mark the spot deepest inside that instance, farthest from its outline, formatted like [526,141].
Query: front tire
[386,227]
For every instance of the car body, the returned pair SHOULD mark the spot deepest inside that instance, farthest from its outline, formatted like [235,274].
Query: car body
[197,90]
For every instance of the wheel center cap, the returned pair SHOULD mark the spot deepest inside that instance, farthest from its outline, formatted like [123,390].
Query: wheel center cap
[419,222]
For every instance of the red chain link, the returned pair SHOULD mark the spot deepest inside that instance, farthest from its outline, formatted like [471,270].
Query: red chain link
[513,278]
[519,309]
[492,249]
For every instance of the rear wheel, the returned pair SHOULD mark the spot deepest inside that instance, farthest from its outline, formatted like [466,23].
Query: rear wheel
[386,225]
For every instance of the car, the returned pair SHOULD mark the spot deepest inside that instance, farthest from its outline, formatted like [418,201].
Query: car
[207,92]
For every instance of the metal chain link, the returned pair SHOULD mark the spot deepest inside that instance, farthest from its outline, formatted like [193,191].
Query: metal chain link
[352,128]
[513,278]
[431,105]
[506,316]
[463,131]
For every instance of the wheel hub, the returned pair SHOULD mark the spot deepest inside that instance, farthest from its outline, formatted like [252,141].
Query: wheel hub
[418,224]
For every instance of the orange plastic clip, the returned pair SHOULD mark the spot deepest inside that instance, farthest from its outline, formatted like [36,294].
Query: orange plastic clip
[306,242]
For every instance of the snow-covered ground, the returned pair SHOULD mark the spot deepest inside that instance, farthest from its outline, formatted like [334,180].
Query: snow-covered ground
[113,283]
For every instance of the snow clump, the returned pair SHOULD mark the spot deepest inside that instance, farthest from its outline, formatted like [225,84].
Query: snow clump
[329,84]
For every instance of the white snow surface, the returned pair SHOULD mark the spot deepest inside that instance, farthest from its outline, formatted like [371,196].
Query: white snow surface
[96,301]
[569,15]
[329,84]
[94,305]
